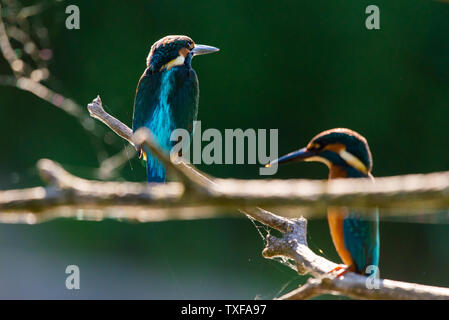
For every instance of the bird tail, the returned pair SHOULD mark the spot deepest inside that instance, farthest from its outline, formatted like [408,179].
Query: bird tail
[155,170]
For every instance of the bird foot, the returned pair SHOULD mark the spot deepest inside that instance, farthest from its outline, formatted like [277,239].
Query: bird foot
[344,269]
[141,154]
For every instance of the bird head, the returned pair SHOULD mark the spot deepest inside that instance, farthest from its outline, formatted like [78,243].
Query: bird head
[342,148]
[172,51]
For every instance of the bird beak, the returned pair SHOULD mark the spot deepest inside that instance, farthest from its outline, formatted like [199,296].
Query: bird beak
[200,49]
[295,156]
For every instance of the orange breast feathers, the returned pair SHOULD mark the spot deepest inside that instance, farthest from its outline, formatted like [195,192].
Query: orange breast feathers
[335,218]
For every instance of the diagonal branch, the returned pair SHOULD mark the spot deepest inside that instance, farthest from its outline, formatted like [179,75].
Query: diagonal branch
[198,195]
[97,111]
[293,245]
[88,196]
[411,192]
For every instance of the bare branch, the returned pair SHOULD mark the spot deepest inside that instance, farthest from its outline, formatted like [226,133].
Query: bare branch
[29,78]
[96,111]
[16,64]
[354,286]
[108,167]
[411,192]
[114,200]
[221,194]
[293,244]
[199,196]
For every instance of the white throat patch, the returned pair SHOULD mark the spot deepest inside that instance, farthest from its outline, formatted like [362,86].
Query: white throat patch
[173,63]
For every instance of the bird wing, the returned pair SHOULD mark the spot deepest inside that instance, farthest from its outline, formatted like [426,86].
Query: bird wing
[184,101]
[145,100]
[361,238]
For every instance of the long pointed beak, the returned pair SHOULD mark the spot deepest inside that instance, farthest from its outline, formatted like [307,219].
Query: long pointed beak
[200,49]
[295,156]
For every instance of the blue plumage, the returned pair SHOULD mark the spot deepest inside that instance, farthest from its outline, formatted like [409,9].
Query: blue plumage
[361,232]
[361,239]
[161,124]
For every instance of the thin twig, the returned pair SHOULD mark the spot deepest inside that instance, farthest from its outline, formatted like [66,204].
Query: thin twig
[29,78]
[122,130]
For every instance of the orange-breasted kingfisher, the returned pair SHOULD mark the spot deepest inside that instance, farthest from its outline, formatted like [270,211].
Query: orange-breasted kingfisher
[347,155]
[167,95]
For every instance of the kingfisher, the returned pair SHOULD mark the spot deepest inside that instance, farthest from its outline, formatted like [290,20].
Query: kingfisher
[347,155]
[167,95]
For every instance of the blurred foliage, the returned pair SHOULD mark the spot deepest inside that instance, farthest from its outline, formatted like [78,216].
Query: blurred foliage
[298,66]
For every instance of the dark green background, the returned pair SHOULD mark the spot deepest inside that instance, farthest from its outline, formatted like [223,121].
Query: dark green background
[298,66]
